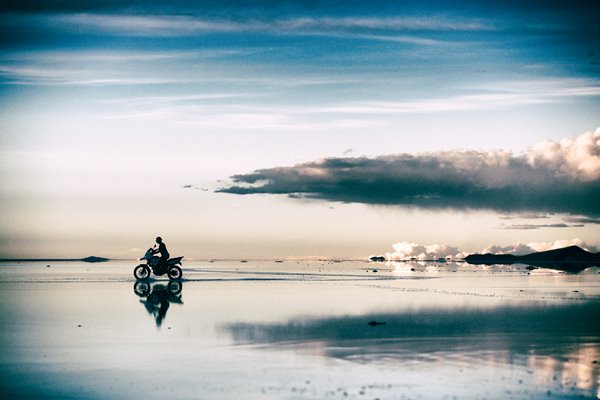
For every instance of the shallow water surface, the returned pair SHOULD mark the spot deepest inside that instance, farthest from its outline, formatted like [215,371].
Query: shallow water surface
[296,330]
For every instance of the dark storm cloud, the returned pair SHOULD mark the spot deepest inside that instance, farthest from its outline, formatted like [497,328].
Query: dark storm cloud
[547,179]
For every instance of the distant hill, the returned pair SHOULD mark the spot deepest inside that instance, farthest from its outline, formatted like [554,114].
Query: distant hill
[94,259]
[570,259]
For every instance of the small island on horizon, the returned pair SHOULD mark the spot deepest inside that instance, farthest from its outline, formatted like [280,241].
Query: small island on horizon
[569,259]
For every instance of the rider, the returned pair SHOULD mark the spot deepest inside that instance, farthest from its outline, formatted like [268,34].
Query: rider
[164,253]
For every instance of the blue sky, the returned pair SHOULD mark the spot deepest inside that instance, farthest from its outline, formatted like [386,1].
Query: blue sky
[108,109]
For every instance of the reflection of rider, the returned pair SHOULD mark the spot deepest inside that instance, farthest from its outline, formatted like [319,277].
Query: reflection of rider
[158,297]
[158,304]
[164,253]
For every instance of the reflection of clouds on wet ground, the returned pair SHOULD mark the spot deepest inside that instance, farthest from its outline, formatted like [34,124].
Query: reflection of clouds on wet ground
[541,324]
[299,330]
[577,368]
[558,345]
[407,268]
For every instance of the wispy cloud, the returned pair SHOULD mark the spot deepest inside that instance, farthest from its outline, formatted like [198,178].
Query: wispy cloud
[191,20]
[151,25]
[102,67]
[551,177]
[176,99]
[390,23]
[392,37]
[509,94]
[165,67]
[582,220]
[525,216]
[240,114]
[41,75]
[540,226]
[58,57]
[182,25]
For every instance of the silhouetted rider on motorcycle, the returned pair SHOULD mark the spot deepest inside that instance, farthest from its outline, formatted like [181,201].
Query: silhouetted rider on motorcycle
[159,265]
[164,253]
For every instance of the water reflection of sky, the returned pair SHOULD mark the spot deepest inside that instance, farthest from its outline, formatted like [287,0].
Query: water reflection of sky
[558,344]
[292,330]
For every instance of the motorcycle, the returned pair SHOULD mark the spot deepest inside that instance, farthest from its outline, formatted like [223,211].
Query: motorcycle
[172,267]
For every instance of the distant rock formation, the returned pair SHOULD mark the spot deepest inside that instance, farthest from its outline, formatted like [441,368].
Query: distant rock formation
[94,259]
[569,259]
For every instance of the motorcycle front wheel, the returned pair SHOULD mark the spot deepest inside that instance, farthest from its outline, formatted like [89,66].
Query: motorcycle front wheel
[141,272]
[175,272]
[142,289]
[175,288]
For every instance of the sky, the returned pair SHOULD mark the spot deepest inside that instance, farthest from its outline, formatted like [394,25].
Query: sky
[274,129]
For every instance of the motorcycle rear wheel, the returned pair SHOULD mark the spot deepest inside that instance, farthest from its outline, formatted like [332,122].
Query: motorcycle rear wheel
[141,272]
[175,272]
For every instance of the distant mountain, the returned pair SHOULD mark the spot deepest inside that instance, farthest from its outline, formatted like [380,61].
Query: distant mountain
[570,259]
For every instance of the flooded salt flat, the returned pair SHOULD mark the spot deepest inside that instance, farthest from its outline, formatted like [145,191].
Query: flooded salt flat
[296,330]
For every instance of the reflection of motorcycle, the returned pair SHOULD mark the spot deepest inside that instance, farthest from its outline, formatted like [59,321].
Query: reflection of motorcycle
[157,297]
[172,267]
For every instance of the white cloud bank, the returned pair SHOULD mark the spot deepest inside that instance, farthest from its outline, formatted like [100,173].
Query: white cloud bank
[578,158]
[409,250]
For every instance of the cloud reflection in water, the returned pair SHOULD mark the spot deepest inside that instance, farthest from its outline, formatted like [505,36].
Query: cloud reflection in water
[558,344]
